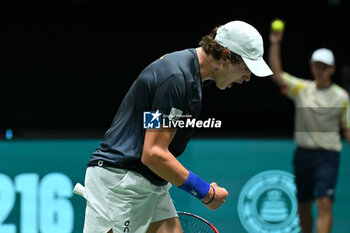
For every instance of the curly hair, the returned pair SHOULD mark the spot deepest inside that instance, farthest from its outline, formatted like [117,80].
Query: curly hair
[211,47]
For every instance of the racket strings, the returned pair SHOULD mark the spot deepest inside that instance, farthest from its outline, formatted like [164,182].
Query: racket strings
[192,224]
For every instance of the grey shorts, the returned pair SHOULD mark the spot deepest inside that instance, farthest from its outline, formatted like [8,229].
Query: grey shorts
[124,201]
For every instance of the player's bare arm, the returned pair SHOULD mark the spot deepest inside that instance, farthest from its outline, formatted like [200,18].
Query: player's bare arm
[274,58]
[219,198]
[158,158]
[347,135]
[346,132]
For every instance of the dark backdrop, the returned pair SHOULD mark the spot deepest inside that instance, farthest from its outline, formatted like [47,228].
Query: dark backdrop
[65,67]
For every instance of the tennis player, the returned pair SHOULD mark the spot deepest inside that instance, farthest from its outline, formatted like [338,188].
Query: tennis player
[129,175]
[321,108]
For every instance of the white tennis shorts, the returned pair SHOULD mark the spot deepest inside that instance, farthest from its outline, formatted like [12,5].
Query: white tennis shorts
[124,201]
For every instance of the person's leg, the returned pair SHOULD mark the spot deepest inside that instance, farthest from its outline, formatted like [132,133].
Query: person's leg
[303,163]
[164,219]
[171,225]
[96,220]
[118,201]
[305,216]
[325,216]
[141,203]
[93,222]
[326,179]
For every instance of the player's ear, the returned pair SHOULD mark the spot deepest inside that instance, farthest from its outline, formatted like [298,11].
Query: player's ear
[311,68]
[333,69]
[225,55]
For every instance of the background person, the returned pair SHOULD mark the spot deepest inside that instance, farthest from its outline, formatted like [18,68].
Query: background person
[322,111]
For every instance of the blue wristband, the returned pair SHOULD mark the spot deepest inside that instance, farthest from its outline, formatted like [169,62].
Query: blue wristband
[195,186]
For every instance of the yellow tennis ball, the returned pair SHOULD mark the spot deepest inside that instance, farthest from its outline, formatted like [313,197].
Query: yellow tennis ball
[277,25]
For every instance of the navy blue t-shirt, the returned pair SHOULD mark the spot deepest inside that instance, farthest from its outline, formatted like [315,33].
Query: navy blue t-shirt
[171,82]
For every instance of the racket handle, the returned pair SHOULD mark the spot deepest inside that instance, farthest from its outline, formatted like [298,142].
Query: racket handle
[80,190]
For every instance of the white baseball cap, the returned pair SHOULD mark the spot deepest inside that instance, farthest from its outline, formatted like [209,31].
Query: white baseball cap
[244,40]
[323,55]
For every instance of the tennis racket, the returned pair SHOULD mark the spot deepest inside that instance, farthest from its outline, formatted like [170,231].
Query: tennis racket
[192,223]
